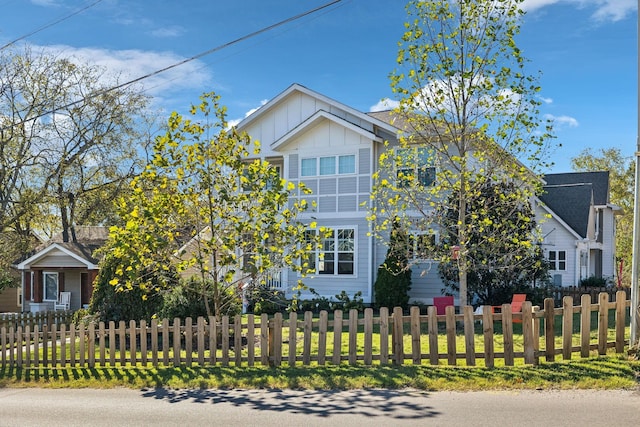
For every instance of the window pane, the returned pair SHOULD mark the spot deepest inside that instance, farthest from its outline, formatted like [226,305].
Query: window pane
[327,165]
[51,287]
[346,240]
[347,164]
[327,265]
[308,167]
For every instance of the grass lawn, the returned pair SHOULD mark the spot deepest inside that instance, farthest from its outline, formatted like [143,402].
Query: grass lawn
[608,372]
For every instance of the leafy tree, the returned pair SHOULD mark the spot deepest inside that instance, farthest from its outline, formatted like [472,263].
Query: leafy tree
[67,142]
[621,183]
[393,283]
[205,208]
[500,267]
[469,115]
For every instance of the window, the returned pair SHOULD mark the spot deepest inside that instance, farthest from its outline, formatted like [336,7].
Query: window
[421,245]
[558,260]
[308,167]
[347,164]
[50,281]
[416,163]
[336,255]
[327,165]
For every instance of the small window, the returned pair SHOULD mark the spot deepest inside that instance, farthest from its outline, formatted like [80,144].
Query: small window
[308,167]
[50,286]
[327,165]
[421,245]
[347,164]
[557,260]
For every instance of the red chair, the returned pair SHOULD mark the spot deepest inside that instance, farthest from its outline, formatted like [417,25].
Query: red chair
[442,303]
[516,305]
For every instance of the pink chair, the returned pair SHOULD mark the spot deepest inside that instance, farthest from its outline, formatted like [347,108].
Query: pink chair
[442,303]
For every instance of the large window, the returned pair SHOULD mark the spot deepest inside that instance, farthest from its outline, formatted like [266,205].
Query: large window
[557,260]
[328,165]
[336,255]
[415,164]
[50,286]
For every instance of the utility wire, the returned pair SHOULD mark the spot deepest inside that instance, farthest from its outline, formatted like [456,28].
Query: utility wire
[177,64]
[51,24]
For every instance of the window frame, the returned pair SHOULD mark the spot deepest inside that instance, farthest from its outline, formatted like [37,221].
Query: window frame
[335,171]
[45,294]
[557,260]
[339,256]
[421,170]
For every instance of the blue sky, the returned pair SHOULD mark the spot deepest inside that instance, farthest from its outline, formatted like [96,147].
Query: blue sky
[586,50]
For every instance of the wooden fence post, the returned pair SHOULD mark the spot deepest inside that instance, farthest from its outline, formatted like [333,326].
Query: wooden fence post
[416,351]
[368,336]
[549,330]
[398,336]
[384,335]
[337,337]
[322,337]
[306,343]
[527,333]
[469,335]
[603,322]
[567,327]
[507,334]
[250,340]
[621,299]
[487,326]
[293,337]
[265,340]
[585,325]
[432,327]
[450,313]
[353,336]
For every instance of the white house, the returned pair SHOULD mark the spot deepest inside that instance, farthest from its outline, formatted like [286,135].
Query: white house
[333,149]
[578,227]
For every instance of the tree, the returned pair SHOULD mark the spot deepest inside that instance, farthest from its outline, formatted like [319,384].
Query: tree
[205,208]
[393,283]
[469,115]
[621,183]
[68,141]
[500,267]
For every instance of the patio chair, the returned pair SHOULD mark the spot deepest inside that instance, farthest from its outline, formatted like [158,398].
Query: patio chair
[64,301]
[442,303]
[516,305]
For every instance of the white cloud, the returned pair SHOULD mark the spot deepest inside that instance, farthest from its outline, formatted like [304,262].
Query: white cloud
[132,64]
[545,100]
[173,31]
[235,122]
[383,105]
[605,10]
[560,122]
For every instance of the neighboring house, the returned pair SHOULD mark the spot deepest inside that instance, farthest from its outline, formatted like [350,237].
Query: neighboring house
[58,266]
[579,231]
[14,245]
[334,149]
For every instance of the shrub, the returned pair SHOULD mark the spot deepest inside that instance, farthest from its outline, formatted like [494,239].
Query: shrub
[594,282]
[188,300]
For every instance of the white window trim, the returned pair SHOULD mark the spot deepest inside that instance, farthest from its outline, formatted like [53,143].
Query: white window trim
[44,285]
[335,274]
[556,262]
[415,167]
[336,158]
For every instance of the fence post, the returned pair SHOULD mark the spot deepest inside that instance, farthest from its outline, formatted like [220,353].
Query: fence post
[487,326]
[337,337]
[469,335]
[397,338]
[450,313]
[306,341]
[603,322]
[384,335]
[585,325]
[621,299]
[567,327]
[432,322]
[353,336]
[527,333]
[368,335]
[549,330]
[293,337]
[322,337]
[237,340]
[416,352]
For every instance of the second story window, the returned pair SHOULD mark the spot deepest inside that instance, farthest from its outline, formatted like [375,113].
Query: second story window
[328,165]
[415,163]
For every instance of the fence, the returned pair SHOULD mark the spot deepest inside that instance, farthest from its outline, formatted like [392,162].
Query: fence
[576,293]
[387,338]
[8,320]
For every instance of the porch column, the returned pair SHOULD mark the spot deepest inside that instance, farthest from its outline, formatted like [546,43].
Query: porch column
[37,286]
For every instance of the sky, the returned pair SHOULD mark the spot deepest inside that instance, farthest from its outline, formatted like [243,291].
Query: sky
[586,51]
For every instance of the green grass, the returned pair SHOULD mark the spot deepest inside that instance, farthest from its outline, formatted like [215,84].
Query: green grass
[611,372]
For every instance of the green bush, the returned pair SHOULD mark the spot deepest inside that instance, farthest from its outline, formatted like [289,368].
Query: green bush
[188,300]
[394,276]
[594,282]
[268,301]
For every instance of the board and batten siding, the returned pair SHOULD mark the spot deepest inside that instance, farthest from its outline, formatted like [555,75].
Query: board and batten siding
[330,286]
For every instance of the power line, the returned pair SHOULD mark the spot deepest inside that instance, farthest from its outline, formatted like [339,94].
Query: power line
[51,24]
[177,64]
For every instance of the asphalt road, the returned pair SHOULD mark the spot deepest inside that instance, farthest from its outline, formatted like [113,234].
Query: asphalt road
[159,407]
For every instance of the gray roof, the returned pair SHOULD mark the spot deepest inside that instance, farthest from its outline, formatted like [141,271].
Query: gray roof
[88,239]
[570,196]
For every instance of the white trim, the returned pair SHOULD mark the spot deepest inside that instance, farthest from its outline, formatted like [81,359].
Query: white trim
[311,121]
[26,264]
[296,87]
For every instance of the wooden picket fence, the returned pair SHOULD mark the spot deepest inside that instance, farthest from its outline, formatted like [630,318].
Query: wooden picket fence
[8,320]
[390,337]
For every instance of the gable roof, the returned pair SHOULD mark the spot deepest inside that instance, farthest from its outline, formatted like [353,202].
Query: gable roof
[572,203]
[88,239]
[296,87]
